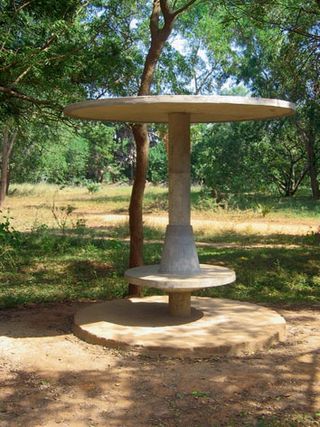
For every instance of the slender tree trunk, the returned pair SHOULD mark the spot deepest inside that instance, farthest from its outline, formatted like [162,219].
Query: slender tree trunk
[312,169]
[160,31]
[140,133]
[309,137]
[7,144]
[8,181]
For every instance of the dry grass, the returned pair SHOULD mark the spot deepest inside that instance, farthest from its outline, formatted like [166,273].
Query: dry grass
[31,205]
[276,259]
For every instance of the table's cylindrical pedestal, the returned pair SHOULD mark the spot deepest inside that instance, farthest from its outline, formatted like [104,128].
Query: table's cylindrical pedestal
[180,286]
[179,169]
[180,304]
[179,254]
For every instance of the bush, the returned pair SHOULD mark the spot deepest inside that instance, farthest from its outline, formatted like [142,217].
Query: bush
[10,240]
[93,187]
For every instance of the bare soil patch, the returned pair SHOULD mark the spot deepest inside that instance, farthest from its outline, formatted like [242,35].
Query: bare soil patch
[49,378]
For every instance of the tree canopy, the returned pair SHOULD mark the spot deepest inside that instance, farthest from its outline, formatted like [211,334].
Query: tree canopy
[54,53]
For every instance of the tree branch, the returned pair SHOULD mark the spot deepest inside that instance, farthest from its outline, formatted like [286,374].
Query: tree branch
[183,8]
[14,93]
[42,48]
[17,10]
[25,72]
[165,9]
[154,18]
[12,140]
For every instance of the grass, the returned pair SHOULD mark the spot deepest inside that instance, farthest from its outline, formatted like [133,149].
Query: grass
[295,419]
[59,268]
[44,263]
[260,205]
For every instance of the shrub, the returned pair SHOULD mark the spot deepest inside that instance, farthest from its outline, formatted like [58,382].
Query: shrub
[10,240]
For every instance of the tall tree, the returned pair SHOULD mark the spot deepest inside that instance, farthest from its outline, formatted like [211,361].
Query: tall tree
[44,51]
[162,19]
[276,52]
[9,138]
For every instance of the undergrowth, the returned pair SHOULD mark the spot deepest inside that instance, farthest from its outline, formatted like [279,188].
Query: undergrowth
[71,261]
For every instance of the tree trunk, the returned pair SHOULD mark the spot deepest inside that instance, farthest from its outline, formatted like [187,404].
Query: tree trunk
[309,137]
[312,169]
[160,31]
[7,144]
[8,180]
[140,133]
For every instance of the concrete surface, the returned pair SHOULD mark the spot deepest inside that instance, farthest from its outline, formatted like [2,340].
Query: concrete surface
[216,326]
[180,304]
[179,254]
[202,109]
[179,168]
[209,276]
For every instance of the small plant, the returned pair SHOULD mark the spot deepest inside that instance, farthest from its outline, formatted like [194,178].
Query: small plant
[93,187]
[9,242]
[316,234]
[62,215]
[197,394]
[80,226]
[263,210]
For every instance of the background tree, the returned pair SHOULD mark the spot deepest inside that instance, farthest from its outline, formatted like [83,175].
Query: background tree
[45,49]
[276,53]
[227,159]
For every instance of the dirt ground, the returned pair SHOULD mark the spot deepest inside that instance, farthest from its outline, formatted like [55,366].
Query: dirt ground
[49,377]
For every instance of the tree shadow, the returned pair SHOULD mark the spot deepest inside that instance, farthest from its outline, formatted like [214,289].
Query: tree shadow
[273,388]
[140,314]
[38,320]
[106,387]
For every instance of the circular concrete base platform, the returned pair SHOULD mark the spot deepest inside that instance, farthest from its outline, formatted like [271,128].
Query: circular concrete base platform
[216,326]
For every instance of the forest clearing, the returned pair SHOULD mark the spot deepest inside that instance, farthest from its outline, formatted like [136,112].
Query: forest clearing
[50,377]
[159,213]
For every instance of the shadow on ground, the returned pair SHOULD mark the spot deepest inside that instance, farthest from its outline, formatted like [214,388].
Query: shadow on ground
[93,385]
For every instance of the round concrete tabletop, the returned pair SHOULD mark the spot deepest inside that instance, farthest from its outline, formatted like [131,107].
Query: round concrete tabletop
[209,276]
[202,109]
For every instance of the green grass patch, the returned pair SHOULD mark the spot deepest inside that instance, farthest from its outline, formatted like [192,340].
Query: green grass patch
[46,267]
[268,275]
[50,268]
[80,262]
[299,206]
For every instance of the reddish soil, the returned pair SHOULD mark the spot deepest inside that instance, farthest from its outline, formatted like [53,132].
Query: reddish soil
[48,377]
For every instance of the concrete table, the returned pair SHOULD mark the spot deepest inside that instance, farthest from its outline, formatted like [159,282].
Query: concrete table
[179,272]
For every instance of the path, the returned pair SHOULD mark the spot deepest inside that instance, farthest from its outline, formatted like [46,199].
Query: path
[50,378]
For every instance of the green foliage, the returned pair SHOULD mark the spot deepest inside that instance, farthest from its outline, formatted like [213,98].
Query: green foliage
[76,262]
[276,56]
[157,172]
[284,159]
[46,49]
[49,267]
[106,155]
[62,215]
[228,159]
[10,239]
[64,157]
[260,48]
[58,268]
[93,187]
